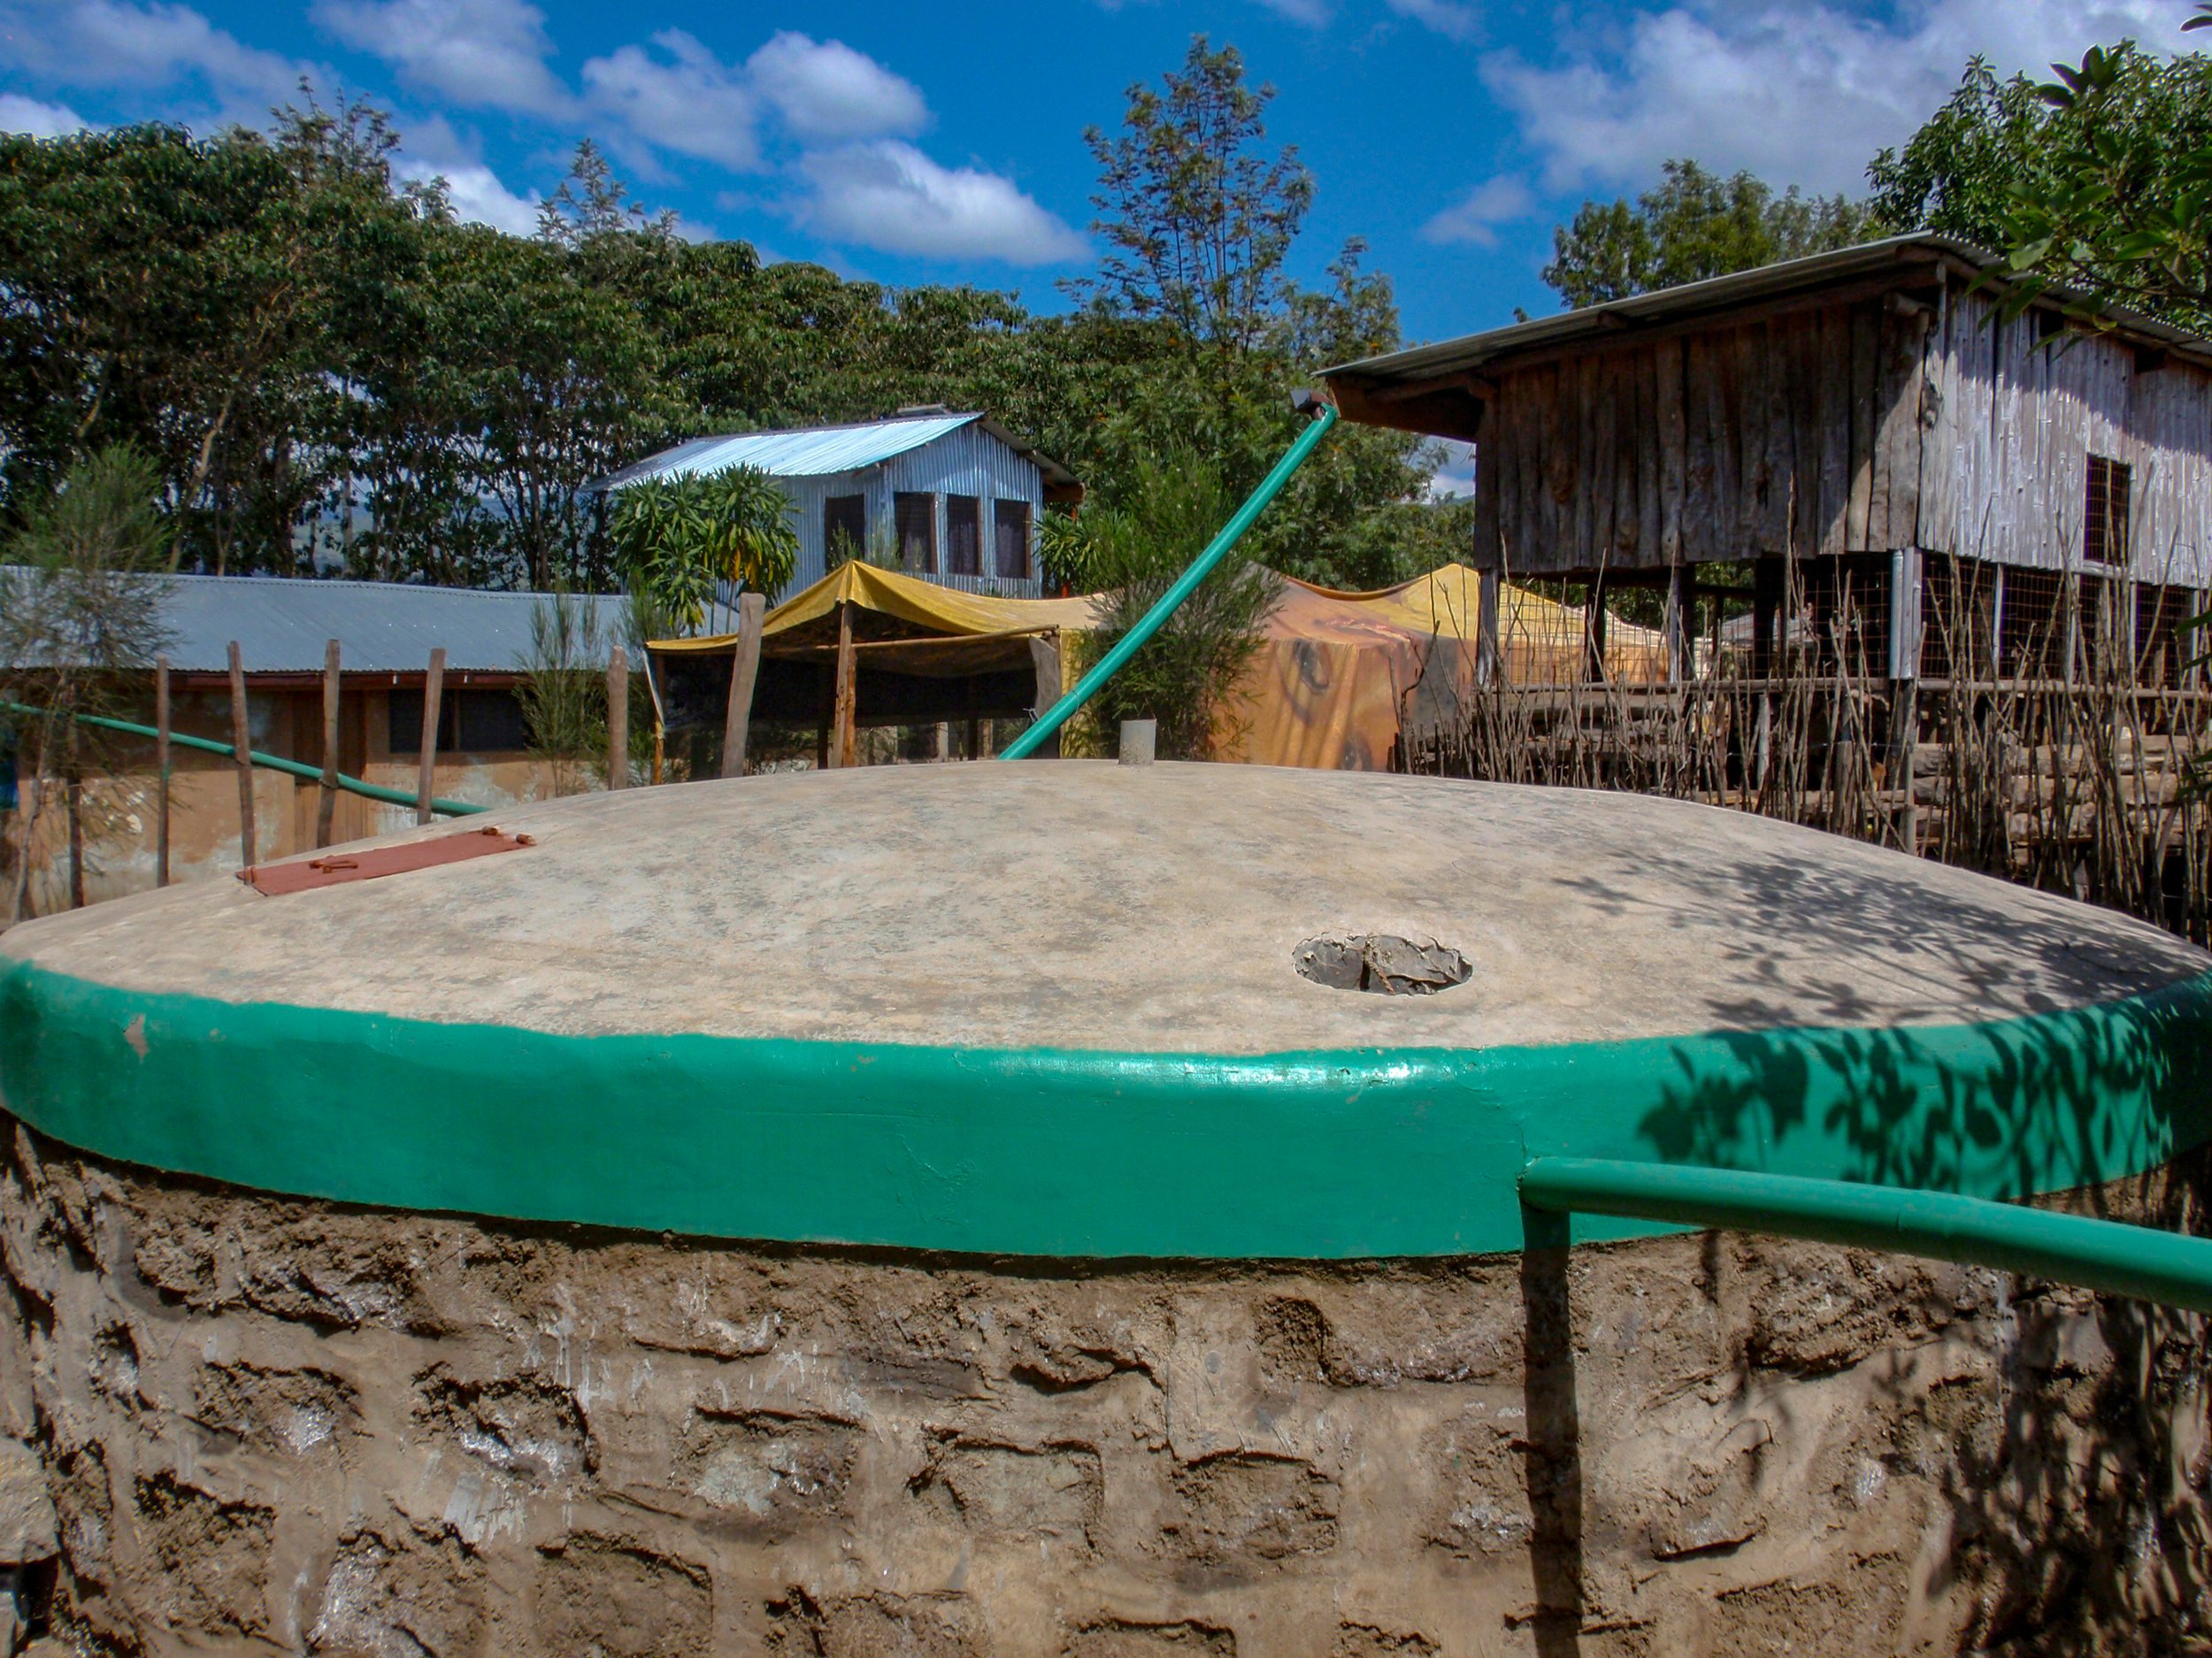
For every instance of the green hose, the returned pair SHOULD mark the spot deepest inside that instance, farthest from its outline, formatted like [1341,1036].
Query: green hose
[273,762]
[2169,1268]
[1186,583]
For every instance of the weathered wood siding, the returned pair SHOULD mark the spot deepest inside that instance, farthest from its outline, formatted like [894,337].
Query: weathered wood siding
[1855,427]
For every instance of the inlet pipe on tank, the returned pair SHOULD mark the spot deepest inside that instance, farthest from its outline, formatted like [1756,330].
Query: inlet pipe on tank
[1130,643]
[274,762]
[2099,1254]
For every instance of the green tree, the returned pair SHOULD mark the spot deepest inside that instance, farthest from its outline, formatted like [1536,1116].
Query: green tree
[1186,676]
[197,298]
[676,538]
[2095,180]
[1201,219]
[2099,182]
[1198,218]
[1693,225]
[563,690]
[82,605]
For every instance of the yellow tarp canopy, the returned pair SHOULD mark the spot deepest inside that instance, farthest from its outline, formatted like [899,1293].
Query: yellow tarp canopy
[921,605]
[1336,678]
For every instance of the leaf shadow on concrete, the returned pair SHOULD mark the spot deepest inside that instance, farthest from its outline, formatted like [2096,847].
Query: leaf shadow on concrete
[2076,1499]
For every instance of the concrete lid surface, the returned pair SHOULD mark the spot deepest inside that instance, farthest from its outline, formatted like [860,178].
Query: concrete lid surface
[1081,904]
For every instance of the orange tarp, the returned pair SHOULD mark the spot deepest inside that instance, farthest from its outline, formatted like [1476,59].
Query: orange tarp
[1340,674]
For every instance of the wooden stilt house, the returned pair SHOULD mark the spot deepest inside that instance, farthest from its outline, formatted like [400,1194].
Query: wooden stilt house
[1910,475]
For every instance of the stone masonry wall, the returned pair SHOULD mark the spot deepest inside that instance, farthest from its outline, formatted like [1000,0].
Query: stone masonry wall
[271,1426]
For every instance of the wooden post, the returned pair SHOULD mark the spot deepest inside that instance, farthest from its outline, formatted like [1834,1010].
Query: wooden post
[242,742]
[752,610]
[618,718]
[433,705]
[1488,584]
[1904,635]
[1768,581]
[1594,629]
[841,737]
[161,771]
[1678,619]
[1044,657]
[328,806]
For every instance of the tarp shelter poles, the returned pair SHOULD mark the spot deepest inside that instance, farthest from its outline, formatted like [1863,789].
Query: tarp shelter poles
[618,718]
[843,709]
[161,771]
[1047,724]
[327,808]
[241,751]
[1044,656]
[432,699]
[752,613]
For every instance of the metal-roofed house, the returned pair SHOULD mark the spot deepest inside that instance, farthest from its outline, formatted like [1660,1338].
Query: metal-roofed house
[386,633]
[952,498]
[1866,421]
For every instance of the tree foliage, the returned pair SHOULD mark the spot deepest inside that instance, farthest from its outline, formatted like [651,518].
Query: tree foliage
[676,538]
[332,374]
[1693,225]
[2097,181]
[1185,675]
[79,605]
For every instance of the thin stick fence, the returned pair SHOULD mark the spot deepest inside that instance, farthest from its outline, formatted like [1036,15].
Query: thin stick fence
[2055,753]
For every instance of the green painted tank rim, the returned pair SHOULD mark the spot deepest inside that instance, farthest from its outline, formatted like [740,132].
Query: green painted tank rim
[1352,1154]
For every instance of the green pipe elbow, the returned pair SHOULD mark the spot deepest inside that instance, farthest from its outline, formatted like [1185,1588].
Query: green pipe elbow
[2169,1268]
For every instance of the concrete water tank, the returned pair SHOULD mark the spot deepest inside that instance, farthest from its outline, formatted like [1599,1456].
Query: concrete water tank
[1064,1208]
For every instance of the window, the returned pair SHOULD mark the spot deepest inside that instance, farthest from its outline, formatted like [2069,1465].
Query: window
[916,518]
[964,535]
[2104,518]
[1012,524]
[469,722]
[844,529]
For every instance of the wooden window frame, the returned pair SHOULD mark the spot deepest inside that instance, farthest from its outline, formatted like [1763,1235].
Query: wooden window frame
[833,507]
[957,507]
[2107,513]
[1004,512]
[904,515]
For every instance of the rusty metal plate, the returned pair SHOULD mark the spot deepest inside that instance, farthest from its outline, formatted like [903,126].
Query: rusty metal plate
[333,869]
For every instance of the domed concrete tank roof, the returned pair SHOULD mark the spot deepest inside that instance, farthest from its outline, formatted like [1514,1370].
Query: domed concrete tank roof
[969,984]
[1079,904]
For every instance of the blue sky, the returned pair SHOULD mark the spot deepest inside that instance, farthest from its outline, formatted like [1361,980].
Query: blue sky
[911,142]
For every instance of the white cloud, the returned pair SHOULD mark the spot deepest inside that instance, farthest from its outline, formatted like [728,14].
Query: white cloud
[825,91]
[1446,17]
[109,43]
[486,53]
[1476,216]
[890,197]
[1455,475]
[477,195]
[687,101]
[1801,95]
[1312,13]
[20,114]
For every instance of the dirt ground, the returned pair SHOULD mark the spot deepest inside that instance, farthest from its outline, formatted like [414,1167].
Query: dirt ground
[273,1425]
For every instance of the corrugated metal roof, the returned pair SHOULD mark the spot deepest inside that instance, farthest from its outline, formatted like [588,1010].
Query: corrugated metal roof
[822,451]
[281,625]
[794,452]
[1719,295]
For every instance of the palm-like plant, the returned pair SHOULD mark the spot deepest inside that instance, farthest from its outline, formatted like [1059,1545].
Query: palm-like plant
[676,537]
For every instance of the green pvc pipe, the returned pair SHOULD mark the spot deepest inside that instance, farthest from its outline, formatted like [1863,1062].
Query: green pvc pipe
[2158,1266]
[1172,601]
[273,762]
